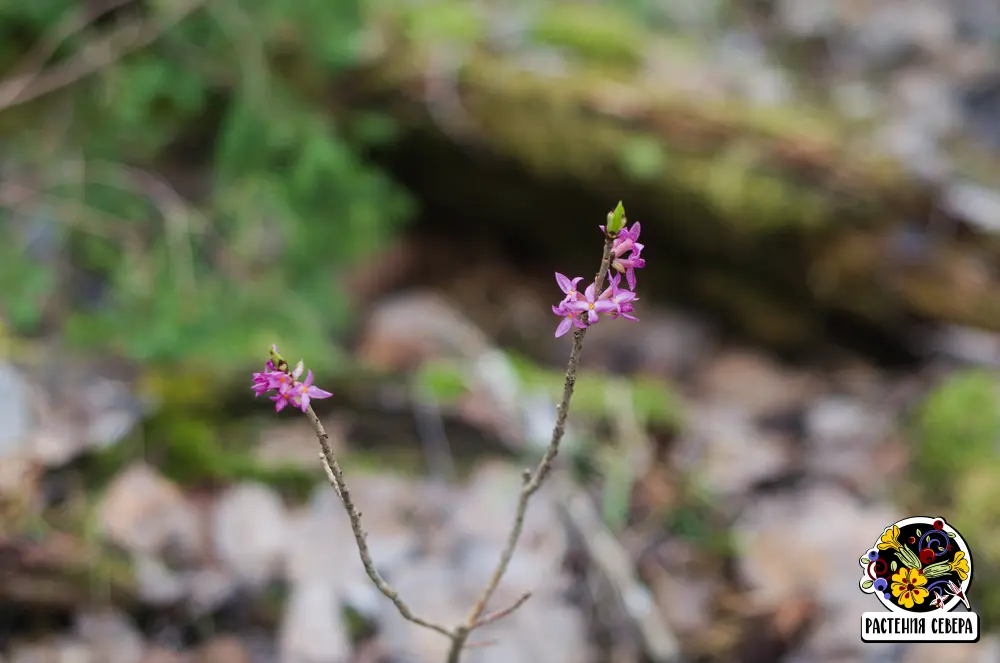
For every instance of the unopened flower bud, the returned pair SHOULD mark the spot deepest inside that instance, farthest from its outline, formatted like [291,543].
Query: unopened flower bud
[616,219]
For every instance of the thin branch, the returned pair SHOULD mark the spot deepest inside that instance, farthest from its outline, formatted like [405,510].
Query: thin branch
[336,476]
[30,67]
[500,614]
[532,481]
[92,58]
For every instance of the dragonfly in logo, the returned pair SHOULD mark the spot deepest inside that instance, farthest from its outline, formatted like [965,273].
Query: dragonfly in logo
[957,591]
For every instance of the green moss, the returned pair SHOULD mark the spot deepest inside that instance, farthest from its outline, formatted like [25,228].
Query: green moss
[976,511]
[655,402]
[444,381]
[190,450]
[603,35]
[957,427]
[440,21]
[698,519]
[731,170]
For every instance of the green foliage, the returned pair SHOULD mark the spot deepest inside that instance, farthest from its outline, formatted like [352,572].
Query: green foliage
[230,93]
[442,21]
[976,510]
[958,427]
[597,33]
[956,464]
[653,400]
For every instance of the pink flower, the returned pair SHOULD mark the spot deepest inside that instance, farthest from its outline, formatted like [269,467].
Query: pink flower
[281,399]
[303,392]
[264,381]
[569,287]
[569,319]
[624,311]
[280,381]
[628,266]
[287,385]
[621,298]
[627,240]
[261,383]
[592,305]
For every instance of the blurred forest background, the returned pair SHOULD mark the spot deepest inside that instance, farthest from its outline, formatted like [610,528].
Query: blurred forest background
[384,188]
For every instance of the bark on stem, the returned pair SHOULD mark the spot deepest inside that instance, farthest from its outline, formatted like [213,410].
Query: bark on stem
[336,477]
[532,481]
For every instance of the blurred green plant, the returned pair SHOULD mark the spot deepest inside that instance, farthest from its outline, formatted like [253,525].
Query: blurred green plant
[94,238]
[654,401]
[956,465]
[958,427]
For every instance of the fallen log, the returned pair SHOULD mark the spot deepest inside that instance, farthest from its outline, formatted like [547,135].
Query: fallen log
[780,218]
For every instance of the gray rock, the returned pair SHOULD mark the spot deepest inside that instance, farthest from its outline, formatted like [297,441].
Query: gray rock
[157,584]
[428,586]
[208,589]
[976,204]
[838,421]
[907,140]
[807,543]
[145,513]
[322,549]
[684,601]
[409,328]
[726,451]
[753,383]
[16,413]
[665,344]
[321,542]
[987,650]
[847,440]
[111,636]
[541,630]
[927,98]
[978,18]
[250,532]
[895,27]
[58,650]
[807,19]
[312,630]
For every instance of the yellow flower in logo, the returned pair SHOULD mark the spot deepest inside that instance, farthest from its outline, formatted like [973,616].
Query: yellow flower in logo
[960,565]
[908,587]
[889,539]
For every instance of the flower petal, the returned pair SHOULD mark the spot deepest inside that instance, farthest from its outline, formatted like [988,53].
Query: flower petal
[315,392]
[590,293]
[299,367]
[564,326]
[564,283]
[605,306]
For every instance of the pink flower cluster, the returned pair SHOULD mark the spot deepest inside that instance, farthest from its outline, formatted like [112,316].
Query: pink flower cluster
[286,384]
[581,310]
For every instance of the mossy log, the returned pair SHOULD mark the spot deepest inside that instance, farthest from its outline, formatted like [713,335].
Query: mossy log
[778,217]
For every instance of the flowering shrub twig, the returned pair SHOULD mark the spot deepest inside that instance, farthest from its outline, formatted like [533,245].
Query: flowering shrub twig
[579,311]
